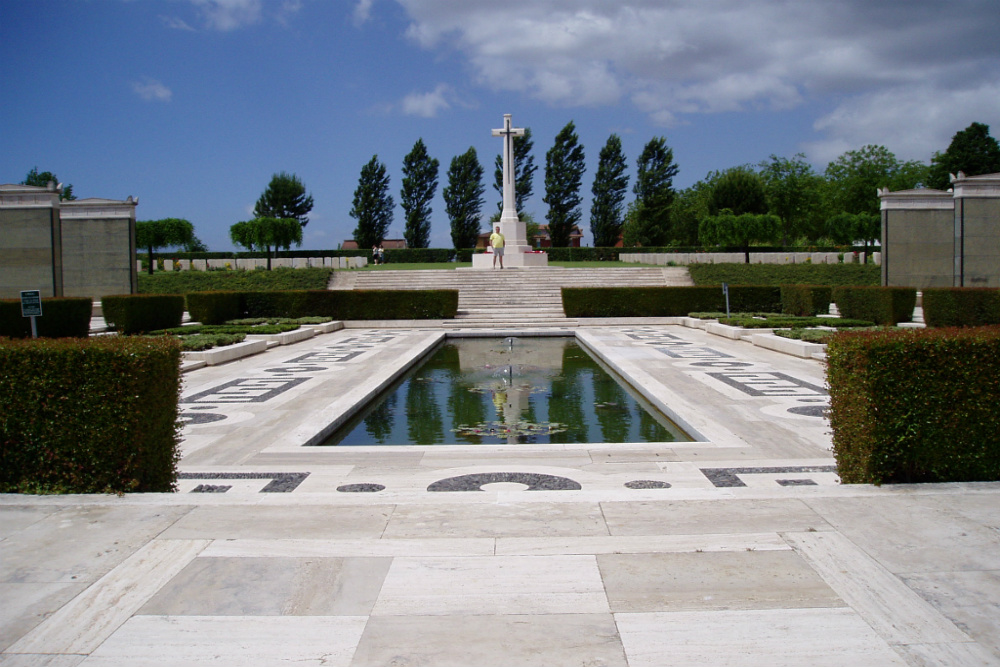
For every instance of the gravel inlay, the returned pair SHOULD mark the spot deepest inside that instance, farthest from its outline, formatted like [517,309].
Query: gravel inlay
[361,488]
[211,488]
[534,481]
[281,482]
[729,477]
[809,410]
[647,484]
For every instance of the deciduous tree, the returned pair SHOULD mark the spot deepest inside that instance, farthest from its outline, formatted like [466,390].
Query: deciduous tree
[972,151]
[285,197]
[727,228]
[793,192]
[420,181]
[610,186]
[263,234]
[156,234]
[42,179]
[373,205]
[854,177]
[564,167]
[463,198]
[740,190]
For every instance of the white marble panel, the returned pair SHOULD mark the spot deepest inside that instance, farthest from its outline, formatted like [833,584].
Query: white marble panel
[234,641]
[492,585]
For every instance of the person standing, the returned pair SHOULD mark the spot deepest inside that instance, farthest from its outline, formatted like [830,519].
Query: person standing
[497,241]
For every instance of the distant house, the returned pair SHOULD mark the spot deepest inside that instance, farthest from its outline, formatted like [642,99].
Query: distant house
[539,240]
[387,244]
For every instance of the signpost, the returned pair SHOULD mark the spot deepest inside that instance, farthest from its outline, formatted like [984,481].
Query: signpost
[725,290]
[31,306]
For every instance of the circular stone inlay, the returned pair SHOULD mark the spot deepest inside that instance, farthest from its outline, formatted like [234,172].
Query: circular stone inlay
[647,484]
[809,410]
[534,482]
[361,488]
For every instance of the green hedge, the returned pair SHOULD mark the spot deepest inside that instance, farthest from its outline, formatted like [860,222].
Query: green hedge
[961,306]
[806,300]
[89,416]
[915,406]
[418,255]
[283,278]
[62,317]
[882,305]
[334,304]
[666,301]
[140,313]
[785,274]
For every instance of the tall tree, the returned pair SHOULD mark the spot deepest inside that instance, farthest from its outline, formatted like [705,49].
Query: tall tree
[263,234]
[564,167]
[727,228]
[524,171]
[285,197]
[156,234]
[463,198]
[740,190]
[420,181]
[971,150]
[793,192]
[42,179]
[610,186]
[654,192]
[854,177]
[373,205]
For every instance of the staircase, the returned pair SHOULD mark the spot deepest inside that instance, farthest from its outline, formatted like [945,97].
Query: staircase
[512,297]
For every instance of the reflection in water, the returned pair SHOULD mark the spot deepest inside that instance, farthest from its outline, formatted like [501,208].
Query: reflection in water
[512,390]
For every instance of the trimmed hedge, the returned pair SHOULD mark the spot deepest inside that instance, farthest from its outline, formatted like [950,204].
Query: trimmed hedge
[882,305]
[334,304]
[281,278]
[785,274]
[806,300]
[140,313]
[89,416]
[961,306]
[666,301]
[915,406]
[418,255]
[62,317]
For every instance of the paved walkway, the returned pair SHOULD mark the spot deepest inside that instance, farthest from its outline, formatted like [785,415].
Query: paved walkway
[739,548]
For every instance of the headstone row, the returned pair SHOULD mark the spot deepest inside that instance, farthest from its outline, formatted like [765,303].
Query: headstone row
[685,258]
[167,264]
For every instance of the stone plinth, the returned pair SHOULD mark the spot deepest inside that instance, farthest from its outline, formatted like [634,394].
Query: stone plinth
[511,260]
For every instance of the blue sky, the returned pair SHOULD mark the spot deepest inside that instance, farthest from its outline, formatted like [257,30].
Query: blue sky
[192,105]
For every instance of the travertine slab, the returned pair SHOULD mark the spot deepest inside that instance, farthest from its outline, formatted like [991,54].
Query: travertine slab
[550,640]
[693,517]
[512,520]
[261,522]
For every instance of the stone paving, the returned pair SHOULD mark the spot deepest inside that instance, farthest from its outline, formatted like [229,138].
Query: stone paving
[738,548]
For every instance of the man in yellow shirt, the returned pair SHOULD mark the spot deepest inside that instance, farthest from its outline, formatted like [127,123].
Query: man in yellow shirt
[497,241]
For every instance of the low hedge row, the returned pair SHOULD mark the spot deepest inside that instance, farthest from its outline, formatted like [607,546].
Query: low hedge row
[785,274]
[915,406]
[218,307]
[792,322]
[882,305]
[141,313]
[62,317]
[89,416]
[961,306]
[806,300]
[666,301]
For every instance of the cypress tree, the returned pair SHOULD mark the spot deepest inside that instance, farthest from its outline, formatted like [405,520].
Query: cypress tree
[564,167]
[420,181]
[654,193]
[372,205]
[463,198]
[610,185]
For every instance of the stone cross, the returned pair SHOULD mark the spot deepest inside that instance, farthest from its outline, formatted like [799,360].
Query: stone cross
[509,213]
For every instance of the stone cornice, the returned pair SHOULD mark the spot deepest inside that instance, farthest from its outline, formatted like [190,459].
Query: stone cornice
[987,185]
[924,199]
[28,196]
[98,208]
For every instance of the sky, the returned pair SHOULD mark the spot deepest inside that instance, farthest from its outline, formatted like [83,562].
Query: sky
[192,105]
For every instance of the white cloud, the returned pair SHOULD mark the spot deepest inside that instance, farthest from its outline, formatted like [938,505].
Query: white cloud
[175,23]
[152,90]
[227,15]
[871,71]
[427,105]
[363,11]
[288,9]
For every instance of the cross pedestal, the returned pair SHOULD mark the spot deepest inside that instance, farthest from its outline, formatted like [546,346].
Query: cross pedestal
[517,250]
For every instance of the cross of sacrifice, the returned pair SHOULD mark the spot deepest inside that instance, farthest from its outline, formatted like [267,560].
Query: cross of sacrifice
[508,133]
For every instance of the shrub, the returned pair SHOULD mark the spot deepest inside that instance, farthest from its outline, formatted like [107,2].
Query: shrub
[348,305]
[206,341]
[139,313]
[785,274]
[281,278]
[792,322]
[214,307]
[882,305]
[915,405]
[418,255]
[805,300]
[62,317]
[961,307]
[665,301]
[89,416]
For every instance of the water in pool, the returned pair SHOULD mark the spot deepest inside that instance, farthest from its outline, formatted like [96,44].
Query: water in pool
[474,391]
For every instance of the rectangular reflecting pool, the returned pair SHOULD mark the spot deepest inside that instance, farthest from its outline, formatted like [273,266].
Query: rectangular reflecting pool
[474,391]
